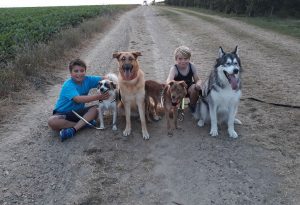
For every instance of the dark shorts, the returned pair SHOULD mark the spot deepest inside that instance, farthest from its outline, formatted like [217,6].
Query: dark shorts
[70,116]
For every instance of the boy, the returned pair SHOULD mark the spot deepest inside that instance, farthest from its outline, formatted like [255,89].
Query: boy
[186,71]
[73,96]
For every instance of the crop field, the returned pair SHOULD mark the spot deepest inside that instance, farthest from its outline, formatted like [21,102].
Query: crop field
[27,26]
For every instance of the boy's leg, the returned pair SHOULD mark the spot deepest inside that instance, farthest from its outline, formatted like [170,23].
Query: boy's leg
[58,122]
[91,114]
[194,95]
[68,124]
[61,121]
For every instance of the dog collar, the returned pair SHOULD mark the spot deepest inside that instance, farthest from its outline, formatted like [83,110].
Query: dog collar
[175,104]
[101,101]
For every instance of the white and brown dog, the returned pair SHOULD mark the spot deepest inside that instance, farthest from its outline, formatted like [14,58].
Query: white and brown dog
[131,83]
[110,104]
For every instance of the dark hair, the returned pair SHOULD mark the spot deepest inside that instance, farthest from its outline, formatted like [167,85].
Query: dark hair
[77,62]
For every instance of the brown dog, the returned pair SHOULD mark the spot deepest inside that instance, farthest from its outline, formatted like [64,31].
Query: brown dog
[132,88]
[154,91]
[173,94]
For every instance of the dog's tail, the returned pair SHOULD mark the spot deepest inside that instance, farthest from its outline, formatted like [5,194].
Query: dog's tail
[112,77]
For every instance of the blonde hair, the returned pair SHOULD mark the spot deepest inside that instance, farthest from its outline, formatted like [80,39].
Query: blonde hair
[182,50]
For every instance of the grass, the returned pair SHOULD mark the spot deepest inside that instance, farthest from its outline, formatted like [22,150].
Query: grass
[286,26]
[33,62]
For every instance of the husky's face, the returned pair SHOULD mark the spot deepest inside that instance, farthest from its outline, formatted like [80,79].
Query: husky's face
[105,85]
[229,67]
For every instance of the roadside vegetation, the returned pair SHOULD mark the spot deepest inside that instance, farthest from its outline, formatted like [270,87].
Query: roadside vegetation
[33,39]
[286,26]
[279,16]
[281,8]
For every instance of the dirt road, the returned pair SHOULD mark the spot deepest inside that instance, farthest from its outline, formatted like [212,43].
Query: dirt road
[262,166]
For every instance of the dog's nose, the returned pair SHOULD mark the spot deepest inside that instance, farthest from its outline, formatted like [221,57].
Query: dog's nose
[127,66]
[236,71]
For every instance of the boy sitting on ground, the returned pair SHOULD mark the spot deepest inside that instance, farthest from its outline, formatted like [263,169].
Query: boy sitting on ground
[186,71]
[73,96]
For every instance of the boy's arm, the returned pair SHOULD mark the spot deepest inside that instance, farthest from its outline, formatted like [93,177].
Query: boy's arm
[196,78]
[171,74]
[90,98]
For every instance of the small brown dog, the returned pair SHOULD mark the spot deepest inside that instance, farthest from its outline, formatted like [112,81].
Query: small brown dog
[154,90]
[132,88]
[173,94]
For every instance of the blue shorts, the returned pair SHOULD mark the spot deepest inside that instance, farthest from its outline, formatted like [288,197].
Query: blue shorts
[70,116]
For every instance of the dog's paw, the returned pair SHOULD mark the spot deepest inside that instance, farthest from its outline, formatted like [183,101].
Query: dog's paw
[102,127]
[126,132]
[200,123]
[237,121]
[178,127]
[214,132]
[232,134]
[170,133]
[196,115]
[156,117]
[146,135]
[114,128]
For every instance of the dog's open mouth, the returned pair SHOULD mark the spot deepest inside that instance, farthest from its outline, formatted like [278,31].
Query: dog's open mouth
[175,101]
[127,74]
[233,81]
[127,68]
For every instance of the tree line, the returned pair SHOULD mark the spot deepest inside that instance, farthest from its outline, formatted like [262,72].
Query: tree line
[281,8]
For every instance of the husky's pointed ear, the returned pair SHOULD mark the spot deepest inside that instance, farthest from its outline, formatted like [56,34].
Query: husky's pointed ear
[221,52]
[116,54]
[136,54]
[236,51]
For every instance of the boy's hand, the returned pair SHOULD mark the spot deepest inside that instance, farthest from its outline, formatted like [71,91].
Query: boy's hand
[103,96]
[198,85]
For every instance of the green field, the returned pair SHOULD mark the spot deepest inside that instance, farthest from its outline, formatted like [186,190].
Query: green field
[26,26]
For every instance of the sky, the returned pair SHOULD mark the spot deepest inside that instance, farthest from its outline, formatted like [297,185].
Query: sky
[37,3]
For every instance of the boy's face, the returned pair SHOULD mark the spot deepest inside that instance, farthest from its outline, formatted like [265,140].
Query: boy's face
[78,74]
[181,61]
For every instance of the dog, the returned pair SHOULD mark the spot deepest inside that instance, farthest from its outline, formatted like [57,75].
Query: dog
[154,91]
[173,94]
[221,93]
[110,104]
[132,88]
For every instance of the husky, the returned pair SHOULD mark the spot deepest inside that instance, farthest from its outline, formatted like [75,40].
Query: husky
[221,93]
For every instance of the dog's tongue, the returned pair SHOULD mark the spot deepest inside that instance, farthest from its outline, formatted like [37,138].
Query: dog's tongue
[127,75]
[233,81]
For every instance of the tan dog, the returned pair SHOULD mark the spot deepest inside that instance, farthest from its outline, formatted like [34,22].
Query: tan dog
[154,91]
[132,88]
[173,94]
